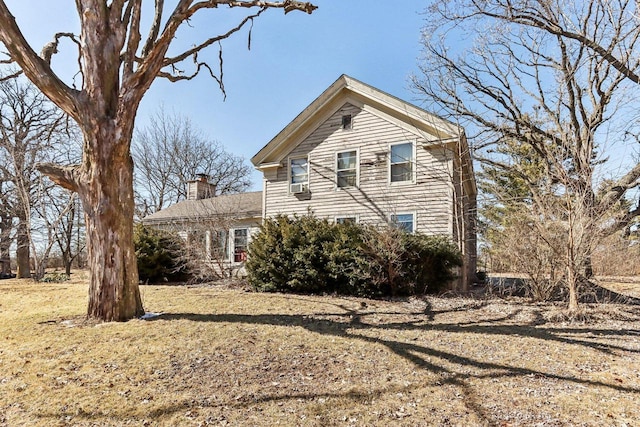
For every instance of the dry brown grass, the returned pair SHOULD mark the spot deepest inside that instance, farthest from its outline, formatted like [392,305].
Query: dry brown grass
[227,357]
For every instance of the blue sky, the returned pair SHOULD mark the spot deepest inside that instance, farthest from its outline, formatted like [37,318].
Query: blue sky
[293,58]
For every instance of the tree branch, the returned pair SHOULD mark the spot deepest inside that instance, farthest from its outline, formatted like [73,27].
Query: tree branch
[287,5]
[155,27]
[64,176]
[543,20]
[132,20]
[156,47]
[212,40]
[618,189]
[36,68]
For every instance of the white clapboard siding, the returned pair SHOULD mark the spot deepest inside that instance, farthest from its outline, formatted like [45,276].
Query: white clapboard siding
[430,197]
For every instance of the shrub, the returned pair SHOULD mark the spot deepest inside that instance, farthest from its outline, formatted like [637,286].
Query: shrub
[287,255]
[55,277]
[430,261]
[158,254]
[347,262]
[310,255]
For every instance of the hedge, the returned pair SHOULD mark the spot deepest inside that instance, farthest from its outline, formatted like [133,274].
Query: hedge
[311,255]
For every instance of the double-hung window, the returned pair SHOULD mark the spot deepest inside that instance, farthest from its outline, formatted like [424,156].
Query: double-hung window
[402,162]
[404,221]
[299,175]
[347,169]
[240,244]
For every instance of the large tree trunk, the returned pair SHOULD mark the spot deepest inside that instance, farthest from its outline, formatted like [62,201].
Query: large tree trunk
[104,182]
[23,254]
[106,190]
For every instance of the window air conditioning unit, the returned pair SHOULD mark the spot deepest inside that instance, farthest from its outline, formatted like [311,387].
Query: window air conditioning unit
[298,188]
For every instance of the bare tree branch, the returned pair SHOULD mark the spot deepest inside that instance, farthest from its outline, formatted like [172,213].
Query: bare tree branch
[36,68]
[155,27]
[64,176]
[212,40]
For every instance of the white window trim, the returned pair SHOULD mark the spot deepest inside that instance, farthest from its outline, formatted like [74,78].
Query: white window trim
[414,163]
[289,175]
[413,213]
[335,164]
[355,216]
[232,243]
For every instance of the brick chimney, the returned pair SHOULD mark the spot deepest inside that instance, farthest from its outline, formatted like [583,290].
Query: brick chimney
[200,188]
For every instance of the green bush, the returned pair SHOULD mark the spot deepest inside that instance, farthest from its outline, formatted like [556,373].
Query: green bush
[287,255]
[158,254]
[310,255]
[430,261]
[347,261]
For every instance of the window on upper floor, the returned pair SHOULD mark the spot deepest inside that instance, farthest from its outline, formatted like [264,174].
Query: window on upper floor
[346,122]
[401,164]
[299,175]
[347,169]
[404,221]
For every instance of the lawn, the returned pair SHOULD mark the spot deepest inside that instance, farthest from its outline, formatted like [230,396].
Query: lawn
[222,356]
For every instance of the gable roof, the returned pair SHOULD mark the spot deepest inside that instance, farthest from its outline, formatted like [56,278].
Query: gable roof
[238,206]
[347,89]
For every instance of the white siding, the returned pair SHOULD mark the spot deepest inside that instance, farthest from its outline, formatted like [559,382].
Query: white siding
[375,199]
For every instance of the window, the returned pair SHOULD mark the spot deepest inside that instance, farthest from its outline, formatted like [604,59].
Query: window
[346,169]
[346,220]
[403,221]
[346,122]
[401,164]
[299,171]
[219,244]
[240,243]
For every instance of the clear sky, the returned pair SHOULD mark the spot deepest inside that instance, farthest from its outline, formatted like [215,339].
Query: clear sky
[293,58]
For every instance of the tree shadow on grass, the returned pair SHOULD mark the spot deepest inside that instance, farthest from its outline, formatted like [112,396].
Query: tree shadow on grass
[418,354]
[452,367]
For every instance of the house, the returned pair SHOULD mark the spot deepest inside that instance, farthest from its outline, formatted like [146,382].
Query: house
[359,154]
[354,154]
[218,226]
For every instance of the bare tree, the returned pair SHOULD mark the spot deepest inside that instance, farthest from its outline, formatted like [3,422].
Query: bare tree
[550,93]
[169,152]
[117,67]
[69,235]
[50,209]
[29,125]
